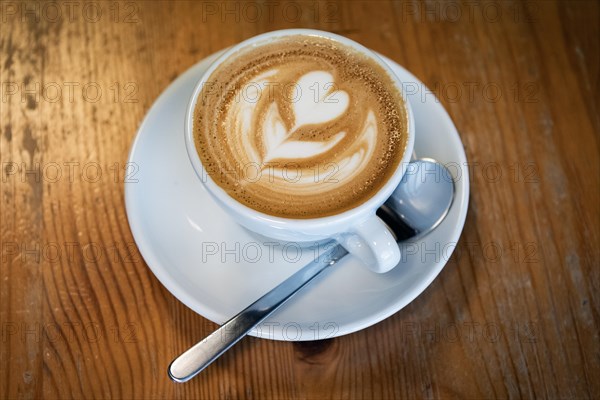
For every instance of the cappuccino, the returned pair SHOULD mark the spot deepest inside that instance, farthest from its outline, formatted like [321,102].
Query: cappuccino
[300,127]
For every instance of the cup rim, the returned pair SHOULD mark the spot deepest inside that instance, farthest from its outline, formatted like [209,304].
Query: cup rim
[368,207]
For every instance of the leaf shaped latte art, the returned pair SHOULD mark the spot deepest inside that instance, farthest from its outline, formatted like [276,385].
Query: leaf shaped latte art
[271,130]
[309,108]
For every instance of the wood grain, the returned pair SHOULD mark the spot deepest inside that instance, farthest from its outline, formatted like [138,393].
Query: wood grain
[515,313]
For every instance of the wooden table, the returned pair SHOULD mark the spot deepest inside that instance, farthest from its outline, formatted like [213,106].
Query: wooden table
[514,313]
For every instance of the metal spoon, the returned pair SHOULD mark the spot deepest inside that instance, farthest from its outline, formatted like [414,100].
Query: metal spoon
[417,206]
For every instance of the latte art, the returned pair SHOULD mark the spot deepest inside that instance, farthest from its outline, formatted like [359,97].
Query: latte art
[300,127]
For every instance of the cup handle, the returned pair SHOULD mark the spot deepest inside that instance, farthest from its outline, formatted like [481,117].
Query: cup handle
[372,243]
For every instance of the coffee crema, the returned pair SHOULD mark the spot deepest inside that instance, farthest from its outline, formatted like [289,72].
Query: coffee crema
[300,127]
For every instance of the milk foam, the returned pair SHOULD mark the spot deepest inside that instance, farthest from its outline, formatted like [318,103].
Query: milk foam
[301,128]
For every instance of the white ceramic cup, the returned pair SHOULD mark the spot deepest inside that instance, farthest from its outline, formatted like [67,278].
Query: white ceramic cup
[359,230]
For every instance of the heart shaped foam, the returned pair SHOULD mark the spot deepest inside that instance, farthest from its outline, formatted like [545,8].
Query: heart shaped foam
[315,105]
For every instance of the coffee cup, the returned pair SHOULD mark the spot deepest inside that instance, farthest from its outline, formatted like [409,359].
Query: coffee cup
[273,109]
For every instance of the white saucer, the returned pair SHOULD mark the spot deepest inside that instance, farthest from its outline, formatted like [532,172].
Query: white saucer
[177,228]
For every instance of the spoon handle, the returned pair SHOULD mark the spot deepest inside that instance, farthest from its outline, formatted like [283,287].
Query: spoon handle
[194,360]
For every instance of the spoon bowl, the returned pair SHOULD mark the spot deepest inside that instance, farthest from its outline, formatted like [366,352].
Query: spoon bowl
[420,202]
